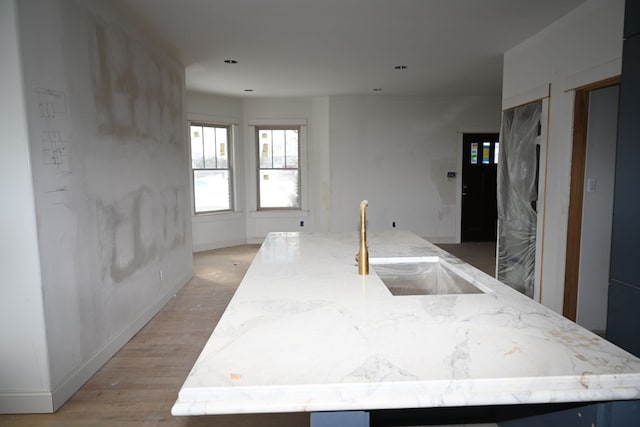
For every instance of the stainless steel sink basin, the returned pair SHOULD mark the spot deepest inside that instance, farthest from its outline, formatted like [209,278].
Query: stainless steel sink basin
[422,276]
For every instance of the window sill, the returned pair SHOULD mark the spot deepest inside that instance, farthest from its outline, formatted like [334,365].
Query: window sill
[216,216]
[279,214]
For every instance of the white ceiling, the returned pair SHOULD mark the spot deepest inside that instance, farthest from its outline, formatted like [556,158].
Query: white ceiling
[336,47]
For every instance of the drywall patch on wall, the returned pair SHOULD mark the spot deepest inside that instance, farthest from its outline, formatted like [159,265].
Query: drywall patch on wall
[126,246]
[135,95]
[139,228]
[174,220]
[109,168]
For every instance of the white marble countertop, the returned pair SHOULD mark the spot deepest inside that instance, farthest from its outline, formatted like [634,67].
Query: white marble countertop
[305,332]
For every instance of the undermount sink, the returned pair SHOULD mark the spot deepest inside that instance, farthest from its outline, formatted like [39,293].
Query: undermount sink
[422,276]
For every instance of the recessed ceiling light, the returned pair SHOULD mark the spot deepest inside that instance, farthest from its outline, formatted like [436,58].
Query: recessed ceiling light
[400,67]
[230,61]
[378,89]
[248,90]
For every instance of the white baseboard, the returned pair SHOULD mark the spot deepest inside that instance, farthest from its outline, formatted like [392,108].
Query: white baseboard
[441,239]
[201,247]
[64,392]
[38,402]
[47,402]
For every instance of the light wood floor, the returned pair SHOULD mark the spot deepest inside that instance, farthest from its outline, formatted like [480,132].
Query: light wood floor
[138,386]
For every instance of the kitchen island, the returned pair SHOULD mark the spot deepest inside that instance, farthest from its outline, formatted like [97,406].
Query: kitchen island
[305,332]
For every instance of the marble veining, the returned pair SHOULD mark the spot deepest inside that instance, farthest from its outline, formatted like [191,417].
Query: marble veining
[305,332]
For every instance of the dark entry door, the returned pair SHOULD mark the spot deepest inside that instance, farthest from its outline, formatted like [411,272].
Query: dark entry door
[479,165]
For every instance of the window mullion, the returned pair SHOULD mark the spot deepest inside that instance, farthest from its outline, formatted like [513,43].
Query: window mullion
[272,144]
[204,157]
[285,150]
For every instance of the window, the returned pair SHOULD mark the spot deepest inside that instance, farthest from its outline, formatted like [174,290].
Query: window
[278,151]
[490,153]
[211,165]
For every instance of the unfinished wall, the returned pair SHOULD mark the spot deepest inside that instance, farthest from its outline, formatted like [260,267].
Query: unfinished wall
[582,47]
[24,370]
[105,108]
[396,152]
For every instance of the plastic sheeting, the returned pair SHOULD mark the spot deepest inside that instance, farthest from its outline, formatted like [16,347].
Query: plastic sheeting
[517,197]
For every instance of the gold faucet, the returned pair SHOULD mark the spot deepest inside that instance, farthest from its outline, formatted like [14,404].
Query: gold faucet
[363,254]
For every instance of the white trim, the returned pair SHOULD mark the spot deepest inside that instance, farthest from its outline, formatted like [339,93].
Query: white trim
[36,402]
[218,245]
[303,141]
[542,199]
[441,239]
[279,213]
[606,70]
[205,218]
[48,402]
[73,383]
[208,118]
[527,96]
[278,122]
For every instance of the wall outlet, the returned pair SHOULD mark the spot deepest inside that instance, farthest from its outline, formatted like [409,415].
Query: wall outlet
[160,274]
[451,174]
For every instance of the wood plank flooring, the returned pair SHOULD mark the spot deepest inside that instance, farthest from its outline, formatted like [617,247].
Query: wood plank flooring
[138,386]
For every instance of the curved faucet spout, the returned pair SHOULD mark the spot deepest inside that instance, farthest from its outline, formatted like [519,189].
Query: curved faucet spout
[363,254]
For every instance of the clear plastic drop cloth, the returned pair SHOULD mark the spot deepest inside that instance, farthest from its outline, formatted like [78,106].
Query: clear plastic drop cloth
[517,178]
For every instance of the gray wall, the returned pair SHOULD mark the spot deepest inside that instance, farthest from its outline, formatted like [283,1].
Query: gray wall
[23,352]
[105,110]
[597,209]
[396,152]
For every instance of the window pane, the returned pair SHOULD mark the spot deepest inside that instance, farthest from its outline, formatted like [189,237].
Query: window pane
[486,152]
[292,149]
[221,148]
[209,147]
[474,153]
[278,148]
[496,152]
[211,190]
[197,160]
[264,148]
[279,189]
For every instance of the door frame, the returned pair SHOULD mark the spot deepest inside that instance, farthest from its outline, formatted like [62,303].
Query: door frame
[576,192]
[475,136]
[458,179]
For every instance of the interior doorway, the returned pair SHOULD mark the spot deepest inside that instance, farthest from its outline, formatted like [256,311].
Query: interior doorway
[591,204]
[479,209]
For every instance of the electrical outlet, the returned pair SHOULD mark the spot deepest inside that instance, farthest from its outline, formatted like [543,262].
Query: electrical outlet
[160,274]
[451,174]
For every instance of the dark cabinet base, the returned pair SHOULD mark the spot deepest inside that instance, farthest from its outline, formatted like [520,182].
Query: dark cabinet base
[623,321]
[602,414]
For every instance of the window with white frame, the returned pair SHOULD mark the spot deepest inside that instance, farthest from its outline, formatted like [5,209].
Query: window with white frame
[211,164]
[278,150]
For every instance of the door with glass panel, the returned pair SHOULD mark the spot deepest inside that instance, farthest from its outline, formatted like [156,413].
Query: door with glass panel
[479,211]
